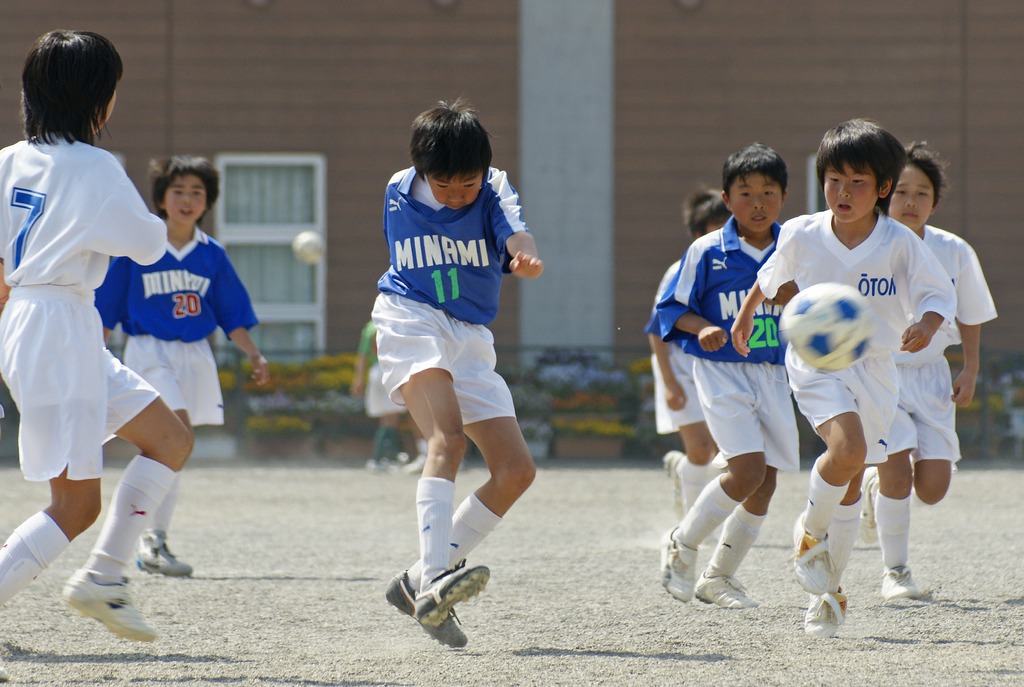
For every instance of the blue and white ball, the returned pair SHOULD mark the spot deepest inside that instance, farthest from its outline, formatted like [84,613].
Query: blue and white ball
[828,325]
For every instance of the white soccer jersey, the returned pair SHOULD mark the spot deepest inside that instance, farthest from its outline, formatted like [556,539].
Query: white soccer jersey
[974,303]
[892,268]
[66,209]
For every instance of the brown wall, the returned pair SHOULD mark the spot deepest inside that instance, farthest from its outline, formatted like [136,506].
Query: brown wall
[346,79]
[342,78]
[694,86]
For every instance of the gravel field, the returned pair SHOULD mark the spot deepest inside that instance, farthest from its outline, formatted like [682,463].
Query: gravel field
[292,559]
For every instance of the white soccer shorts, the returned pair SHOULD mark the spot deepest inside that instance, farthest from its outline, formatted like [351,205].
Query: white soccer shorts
[413,337]
[749,410]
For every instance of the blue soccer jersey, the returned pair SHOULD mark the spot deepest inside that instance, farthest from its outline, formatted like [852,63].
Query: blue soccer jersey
[183,296]
[450,259]
[715,276]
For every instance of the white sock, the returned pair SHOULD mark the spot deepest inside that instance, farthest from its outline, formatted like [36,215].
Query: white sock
[738,534]
[472,522]
[162,515]
[822,500]
[28,551]
[434,498]
[712,507]
[893,518]
[142,487]
[842,535]
[694,479]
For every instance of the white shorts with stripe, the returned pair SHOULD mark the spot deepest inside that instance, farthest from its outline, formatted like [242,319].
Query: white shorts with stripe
[748,409]
[185,375]
[868,388]
[71,392]
[925,419]
[413,337]
[667,420]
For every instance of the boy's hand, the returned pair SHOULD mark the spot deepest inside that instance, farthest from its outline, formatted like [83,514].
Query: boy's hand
[675,395]
[260,369]
[528,266]
[784,294]
[963,388]
[917,337]
[741,330]
[712,338]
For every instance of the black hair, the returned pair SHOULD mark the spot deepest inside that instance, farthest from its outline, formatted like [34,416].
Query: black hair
[67,84]
[931,165]
[756,158]
[703,208]
[863,146]
[449,141]
[164,171]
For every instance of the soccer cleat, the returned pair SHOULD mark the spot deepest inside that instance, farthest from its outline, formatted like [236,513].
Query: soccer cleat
[724,591]
[402,596]
[678,571]
[153,556]
[825,614]
[432,606]
[4,675]
[898,584]
[869,492]
[109,604]
[811,561]
[673,461]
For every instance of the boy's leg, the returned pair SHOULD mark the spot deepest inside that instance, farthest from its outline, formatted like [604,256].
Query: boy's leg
[696,470]
[30,549]
[831,475]
[99,588]
[430,397]
[892,517]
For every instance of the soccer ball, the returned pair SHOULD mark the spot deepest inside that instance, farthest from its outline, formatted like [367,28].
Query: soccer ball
[828,325]
[309,247]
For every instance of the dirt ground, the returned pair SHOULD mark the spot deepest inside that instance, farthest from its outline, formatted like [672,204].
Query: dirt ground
[292,558]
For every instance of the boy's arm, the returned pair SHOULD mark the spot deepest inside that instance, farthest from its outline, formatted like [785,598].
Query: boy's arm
[358,376]
[918,335]
[743,325]
[260,367]
[710,336]
[963,385]
[675,396]
[523,249]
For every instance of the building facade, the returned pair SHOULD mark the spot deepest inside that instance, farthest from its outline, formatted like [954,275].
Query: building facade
[605,114]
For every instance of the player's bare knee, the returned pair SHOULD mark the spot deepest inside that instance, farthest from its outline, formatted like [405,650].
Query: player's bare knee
[931,494]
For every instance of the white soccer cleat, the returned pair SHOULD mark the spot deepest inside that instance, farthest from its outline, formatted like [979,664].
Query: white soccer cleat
[153,556]
[825,614]
[869,492]
[811,561]
[723,591]
[678,568]
[108,603]
[4,675]
[898,584]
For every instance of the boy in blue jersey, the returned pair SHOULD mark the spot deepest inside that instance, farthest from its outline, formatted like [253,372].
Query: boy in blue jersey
[746,401]
[168,310]
[453,227]
[676,408]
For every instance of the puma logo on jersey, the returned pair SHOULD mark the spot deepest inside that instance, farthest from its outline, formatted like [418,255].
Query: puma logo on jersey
[718,264]
[394,205]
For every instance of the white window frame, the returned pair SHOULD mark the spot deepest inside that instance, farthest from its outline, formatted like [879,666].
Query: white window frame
[263,234]
[814,194]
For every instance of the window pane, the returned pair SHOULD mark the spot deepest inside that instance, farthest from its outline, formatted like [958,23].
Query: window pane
[269,194]
[285,341]
[272,274]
